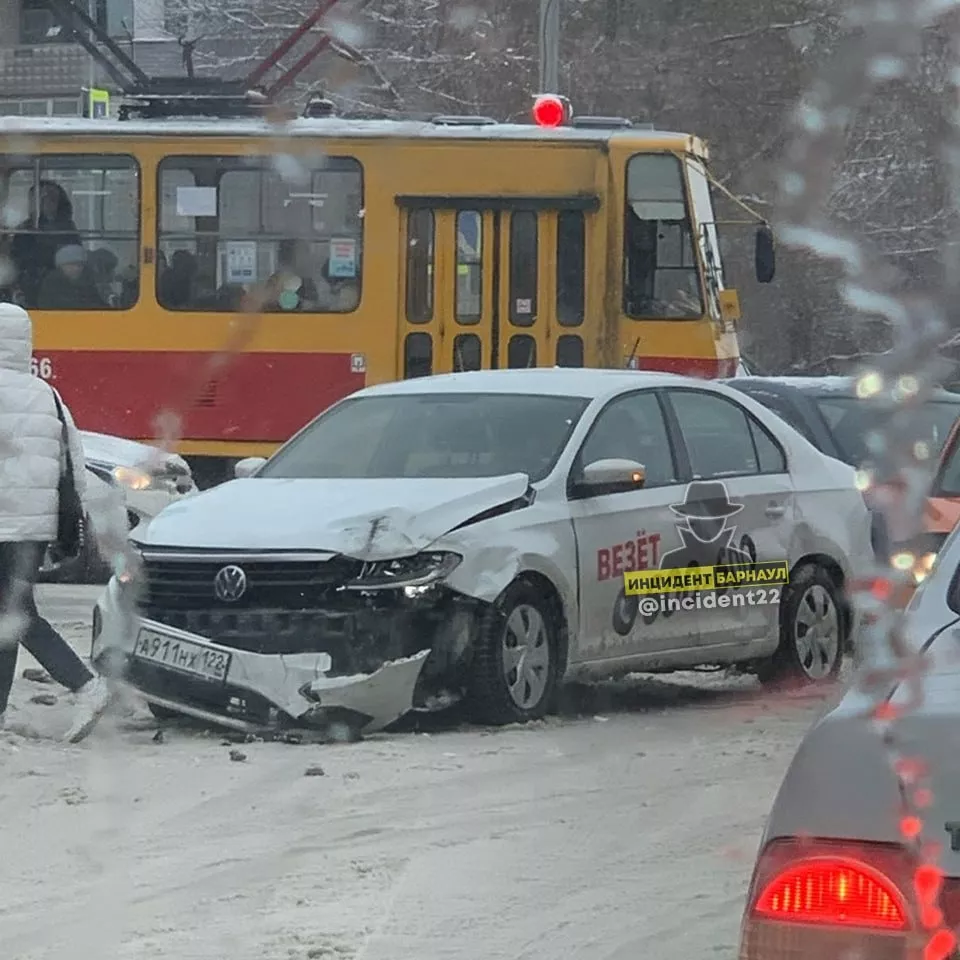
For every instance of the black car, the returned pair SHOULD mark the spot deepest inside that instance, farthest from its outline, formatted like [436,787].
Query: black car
[828,412]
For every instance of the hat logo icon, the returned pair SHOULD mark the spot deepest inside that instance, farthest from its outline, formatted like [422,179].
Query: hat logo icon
[706,500]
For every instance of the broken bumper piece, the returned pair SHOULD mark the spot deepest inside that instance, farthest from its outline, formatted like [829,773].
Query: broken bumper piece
[186,673]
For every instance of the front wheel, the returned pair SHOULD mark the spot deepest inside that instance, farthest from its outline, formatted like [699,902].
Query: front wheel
[516,666]
[812,630]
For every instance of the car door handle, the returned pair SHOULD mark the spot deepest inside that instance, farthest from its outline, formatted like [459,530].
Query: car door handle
[775,510]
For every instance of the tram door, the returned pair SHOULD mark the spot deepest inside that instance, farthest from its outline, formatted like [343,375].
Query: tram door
[491,286]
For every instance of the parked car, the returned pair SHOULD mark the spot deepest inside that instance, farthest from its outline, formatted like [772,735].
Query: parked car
[832,877]
[475,546]
[138,477]
[943,504]
[828,412]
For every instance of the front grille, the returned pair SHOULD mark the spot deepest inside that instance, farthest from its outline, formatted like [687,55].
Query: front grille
[264,631]
[175,585]
[291,607]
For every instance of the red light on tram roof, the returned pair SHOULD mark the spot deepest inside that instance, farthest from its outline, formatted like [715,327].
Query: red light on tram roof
[550,111]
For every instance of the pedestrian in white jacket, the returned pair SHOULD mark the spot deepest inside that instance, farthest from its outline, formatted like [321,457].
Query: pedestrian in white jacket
[31,461]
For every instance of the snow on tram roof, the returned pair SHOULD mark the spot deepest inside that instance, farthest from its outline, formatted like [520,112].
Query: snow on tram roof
[336,127]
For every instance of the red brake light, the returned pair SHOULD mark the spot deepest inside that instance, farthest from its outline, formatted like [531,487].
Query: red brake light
[549,111]
[832,891]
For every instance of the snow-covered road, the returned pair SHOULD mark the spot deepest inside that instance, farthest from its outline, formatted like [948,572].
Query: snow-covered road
[626,832]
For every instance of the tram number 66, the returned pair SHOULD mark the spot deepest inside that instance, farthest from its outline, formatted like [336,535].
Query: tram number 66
[42,368]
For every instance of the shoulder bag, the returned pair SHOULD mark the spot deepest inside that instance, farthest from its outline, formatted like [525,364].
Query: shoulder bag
[70,515]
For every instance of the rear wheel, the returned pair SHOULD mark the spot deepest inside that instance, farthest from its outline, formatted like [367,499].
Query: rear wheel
[812,630]
[516,665]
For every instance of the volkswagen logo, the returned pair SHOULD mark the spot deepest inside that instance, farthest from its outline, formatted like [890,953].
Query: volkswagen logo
[230,583]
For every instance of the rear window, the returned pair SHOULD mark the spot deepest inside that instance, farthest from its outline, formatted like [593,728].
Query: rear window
[432,435]
[851,419]
[947,481]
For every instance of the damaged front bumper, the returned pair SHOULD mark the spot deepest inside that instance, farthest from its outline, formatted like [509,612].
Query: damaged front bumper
[183,671]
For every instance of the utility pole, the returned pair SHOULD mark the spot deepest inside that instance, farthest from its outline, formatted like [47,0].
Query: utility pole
[549,46]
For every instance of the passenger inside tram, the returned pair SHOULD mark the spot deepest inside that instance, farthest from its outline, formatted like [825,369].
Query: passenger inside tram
[49,228]
[290,287]
[70,285]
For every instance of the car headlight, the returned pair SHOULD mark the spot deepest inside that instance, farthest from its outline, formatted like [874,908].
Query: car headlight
[417,571]
[132,479]
[917,565]
[135,479]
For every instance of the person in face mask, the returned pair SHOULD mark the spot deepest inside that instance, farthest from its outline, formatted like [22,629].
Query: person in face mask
[33,421]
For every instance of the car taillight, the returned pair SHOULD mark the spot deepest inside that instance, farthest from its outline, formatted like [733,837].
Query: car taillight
[812,900]
[831,890]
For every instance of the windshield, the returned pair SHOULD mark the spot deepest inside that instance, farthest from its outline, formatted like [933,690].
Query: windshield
[851,419]
[432,435]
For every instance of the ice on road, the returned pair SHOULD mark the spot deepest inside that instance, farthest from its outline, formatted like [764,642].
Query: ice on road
[610,836]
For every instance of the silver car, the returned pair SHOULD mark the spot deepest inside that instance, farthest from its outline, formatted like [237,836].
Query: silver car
[832,879]
[484,535]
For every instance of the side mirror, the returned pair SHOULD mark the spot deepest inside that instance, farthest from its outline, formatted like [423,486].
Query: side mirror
[612,476]
[248,466]
[765,255]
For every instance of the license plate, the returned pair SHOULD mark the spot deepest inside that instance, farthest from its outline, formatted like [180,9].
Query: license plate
[182,655]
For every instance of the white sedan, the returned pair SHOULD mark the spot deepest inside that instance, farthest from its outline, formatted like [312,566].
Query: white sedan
[837,874]
[151,478]
[484,535]
[127,483]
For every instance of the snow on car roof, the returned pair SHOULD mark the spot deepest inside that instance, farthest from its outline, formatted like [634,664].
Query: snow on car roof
[841,386]
[823,384]
[552,381]
[345,128]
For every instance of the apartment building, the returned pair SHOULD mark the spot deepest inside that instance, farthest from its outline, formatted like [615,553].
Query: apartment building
[43,70]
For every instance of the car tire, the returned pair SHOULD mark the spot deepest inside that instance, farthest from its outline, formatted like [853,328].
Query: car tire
[625,612]
[516,664]
[812,628]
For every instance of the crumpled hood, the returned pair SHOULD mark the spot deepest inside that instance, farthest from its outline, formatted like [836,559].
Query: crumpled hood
[16,338]
[365,519]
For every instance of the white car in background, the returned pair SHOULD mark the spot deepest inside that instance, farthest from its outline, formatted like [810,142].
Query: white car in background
[128,483]
[466,537]
[150,478]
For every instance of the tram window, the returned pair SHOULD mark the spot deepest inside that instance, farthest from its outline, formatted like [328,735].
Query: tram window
[659,264]
[232,225]
[523,268]
[521,352]
[420,234]
[569,351]
[76,242]
[467,352]
[417,355]
[469,290]
[571,267]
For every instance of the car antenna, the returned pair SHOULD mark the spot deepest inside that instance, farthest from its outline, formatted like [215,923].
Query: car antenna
[633,354]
